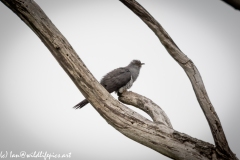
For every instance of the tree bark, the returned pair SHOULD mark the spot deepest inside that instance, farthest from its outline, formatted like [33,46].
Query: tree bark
[193,74]
[148,106]
[159,134]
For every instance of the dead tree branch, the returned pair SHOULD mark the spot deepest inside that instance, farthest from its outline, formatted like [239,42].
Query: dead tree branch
[158,136]
[193,74]
[148,106]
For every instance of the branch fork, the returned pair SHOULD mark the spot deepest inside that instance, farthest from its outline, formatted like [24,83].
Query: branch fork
[153,110]
[159,134]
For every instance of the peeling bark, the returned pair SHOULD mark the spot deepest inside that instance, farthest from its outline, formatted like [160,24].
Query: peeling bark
[157,135]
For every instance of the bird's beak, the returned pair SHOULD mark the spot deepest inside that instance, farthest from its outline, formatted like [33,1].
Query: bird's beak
[142,64]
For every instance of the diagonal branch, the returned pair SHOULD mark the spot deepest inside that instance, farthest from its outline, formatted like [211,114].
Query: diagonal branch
[159,137]
[148,106]
[192,72]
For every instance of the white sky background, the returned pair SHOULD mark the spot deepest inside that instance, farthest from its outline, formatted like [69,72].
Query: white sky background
[37,96]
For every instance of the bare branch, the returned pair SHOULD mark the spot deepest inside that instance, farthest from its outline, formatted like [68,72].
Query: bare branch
[192,72]
[148,106]
[156,136]
[234,3]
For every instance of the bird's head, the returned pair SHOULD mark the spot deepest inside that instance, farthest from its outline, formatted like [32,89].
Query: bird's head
[137,63]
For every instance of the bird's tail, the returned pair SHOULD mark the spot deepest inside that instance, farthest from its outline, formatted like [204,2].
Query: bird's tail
[81,104]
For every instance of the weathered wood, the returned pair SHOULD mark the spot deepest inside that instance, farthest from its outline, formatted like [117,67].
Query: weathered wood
[158,136]
[153,110]
[191,70]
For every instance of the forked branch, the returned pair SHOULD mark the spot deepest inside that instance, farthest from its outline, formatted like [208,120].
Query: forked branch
[193,74]
[158,136]
[153,110]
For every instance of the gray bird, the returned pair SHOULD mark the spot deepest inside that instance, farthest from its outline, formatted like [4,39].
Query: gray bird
[118,80]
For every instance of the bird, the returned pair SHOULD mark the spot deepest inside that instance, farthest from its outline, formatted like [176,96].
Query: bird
[118,80]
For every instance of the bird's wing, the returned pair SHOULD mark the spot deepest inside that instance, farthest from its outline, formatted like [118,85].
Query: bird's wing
[116,79]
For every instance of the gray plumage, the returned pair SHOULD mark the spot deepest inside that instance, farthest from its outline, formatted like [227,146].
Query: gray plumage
[118,80]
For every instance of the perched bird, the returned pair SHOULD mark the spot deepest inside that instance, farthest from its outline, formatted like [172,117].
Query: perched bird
[118,80]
